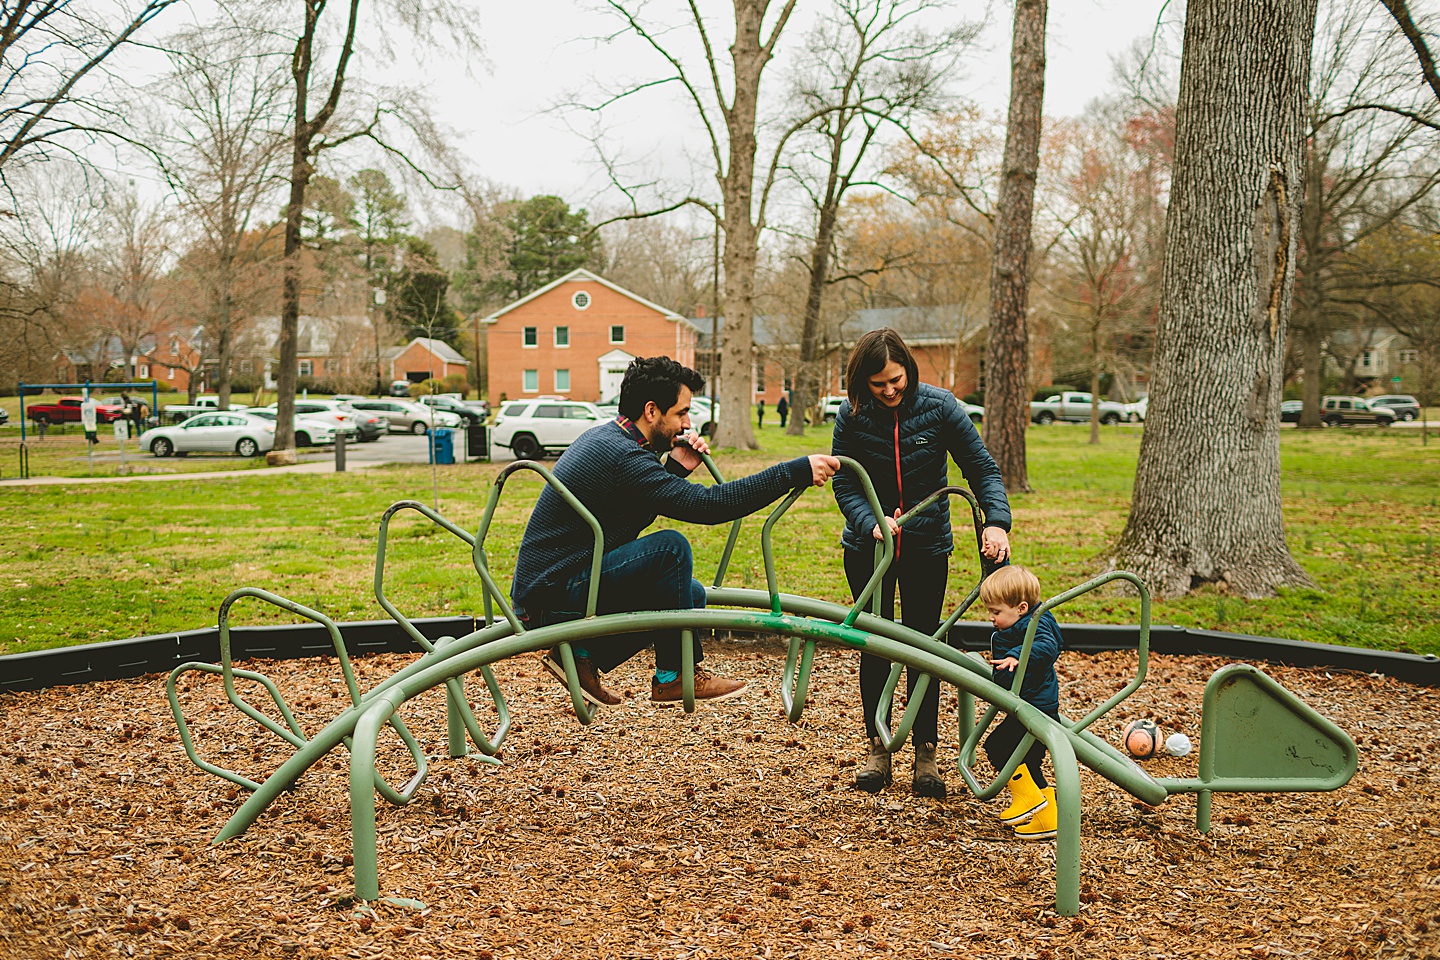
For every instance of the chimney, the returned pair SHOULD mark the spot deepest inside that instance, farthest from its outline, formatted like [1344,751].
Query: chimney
[700,313]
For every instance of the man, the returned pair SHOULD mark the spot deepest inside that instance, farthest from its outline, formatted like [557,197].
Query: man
[616,472]
[783,409]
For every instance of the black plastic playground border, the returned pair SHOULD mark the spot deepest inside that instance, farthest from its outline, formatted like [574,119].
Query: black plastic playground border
[122,659]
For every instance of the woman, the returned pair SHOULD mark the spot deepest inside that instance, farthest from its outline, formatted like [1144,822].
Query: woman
[903,432]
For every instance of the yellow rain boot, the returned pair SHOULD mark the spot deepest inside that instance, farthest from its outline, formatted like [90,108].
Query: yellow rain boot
[1025,798]
[1043,825]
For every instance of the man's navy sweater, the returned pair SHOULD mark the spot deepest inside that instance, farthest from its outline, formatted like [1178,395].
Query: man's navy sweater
[625,486]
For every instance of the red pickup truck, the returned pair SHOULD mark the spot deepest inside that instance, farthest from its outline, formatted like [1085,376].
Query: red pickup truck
[67,410]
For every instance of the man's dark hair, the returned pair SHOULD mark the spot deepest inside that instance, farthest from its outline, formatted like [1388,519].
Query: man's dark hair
[871,353]
[658,379]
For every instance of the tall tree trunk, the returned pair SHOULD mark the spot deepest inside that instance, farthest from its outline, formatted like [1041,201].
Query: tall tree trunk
[1313,364]
[289,371]
[805,394]
[742,233]
[224,317]
[1095,400]
[1007,370]
[1206,506]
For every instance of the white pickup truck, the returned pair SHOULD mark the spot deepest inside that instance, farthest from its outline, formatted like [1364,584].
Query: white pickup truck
[177,412]
[1074,407]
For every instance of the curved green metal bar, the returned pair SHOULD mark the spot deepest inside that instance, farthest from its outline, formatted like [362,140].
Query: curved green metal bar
[734,537]
[1067,749]
[892,740]
[968,747]
[583,711]
[457,704]
[295,735]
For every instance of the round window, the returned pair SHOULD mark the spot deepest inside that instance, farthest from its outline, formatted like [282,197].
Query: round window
[581,300]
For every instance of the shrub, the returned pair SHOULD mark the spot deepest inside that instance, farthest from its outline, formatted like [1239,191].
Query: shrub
[456,383]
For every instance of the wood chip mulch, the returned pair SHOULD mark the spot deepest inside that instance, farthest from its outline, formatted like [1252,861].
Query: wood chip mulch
[727,833]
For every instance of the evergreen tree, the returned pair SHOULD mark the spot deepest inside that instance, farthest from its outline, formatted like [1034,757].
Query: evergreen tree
[546,241]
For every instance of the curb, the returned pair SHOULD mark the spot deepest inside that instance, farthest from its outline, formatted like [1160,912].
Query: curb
[124,659]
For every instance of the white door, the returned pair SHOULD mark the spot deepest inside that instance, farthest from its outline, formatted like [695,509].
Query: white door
[612,371]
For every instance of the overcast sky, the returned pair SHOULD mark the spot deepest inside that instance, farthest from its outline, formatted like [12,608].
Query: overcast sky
[540,51]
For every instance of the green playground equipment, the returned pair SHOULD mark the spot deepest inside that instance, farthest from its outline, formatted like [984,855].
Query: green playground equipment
[1256,736]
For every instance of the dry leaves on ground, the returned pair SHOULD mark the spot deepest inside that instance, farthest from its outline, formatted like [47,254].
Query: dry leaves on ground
[727,833]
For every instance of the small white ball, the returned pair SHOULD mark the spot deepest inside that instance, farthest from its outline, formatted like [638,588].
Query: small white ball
[1177,745]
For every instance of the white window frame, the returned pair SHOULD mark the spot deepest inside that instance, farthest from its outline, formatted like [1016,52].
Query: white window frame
[526,378]
[576,297]
[307,368]
[558,344]
[525,332]
[142,370]
[613,328]
[566,387]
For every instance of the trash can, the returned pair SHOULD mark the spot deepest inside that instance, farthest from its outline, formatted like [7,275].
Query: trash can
[442,445]
[477,442]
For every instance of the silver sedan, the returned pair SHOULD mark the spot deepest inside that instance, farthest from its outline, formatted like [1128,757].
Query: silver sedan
[221,432]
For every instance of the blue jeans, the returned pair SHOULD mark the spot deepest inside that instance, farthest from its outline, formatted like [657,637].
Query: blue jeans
[650,573]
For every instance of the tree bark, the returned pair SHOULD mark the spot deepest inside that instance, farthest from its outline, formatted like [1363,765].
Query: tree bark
[750,55]
[1206,506]
[1007,371]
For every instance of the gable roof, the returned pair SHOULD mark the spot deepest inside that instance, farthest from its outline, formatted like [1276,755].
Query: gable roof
[920,326]
[439,348]
[583,274]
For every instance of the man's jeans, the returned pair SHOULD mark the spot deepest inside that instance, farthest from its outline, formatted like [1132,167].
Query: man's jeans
[651,573]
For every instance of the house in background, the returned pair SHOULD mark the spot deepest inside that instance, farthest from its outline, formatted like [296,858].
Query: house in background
[948,344]
[169,357]
[422,359]
[1375,361]
[574,338]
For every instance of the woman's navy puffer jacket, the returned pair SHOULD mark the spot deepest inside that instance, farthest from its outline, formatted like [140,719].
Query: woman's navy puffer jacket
[932,428]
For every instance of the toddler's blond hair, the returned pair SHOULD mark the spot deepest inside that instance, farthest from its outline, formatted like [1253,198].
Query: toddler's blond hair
[1011,586]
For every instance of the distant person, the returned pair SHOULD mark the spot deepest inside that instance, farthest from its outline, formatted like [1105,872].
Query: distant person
[904,433]
[783,409]
[1011,595]
[760,414]
[615,470]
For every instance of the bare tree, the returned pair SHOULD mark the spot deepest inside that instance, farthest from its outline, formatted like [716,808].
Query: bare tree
[320,125]
[219,147]
[1007,373]
[870,63]
[53,55]
[1104,274]
[132,258]
[727,104]
[44,265]
[1206,504]
[1370,163]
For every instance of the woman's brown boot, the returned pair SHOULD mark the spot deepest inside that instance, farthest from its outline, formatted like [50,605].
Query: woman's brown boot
[927,781]
[874,775]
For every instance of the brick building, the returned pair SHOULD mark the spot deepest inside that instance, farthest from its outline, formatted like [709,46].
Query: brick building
[948,343]
[575,337]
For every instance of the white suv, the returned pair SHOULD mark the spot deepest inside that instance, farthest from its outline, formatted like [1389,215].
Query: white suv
[533,428]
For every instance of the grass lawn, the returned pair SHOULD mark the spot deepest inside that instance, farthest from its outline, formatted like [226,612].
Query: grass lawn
[84,563]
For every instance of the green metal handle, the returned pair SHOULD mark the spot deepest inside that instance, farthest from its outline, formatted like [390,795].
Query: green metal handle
[795,679]
[730,541]
[583,711]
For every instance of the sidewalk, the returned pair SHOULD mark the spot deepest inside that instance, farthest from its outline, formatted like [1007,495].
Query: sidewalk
[317,466]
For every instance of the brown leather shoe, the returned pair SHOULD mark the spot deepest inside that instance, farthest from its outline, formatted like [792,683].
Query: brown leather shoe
[707,687]
[585,672]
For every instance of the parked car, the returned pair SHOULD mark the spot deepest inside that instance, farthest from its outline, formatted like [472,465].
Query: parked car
[334,412]
[830,406]
[1349,411]
[4,415]
[453,405]
[533,428]
[1074,407]
[407,416]
[222,432]
[1135,412]
[1404,406]
[1290,410]
[400,388]
[67,410]
[309,431]
[481,407]
[975,412]
[704,415]
[180,412]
